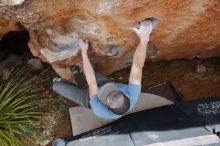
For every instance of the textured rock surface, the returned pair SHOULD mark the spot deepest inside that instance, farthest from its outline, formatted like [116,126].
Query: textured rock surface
[7,25]
[187,29]
[10,2]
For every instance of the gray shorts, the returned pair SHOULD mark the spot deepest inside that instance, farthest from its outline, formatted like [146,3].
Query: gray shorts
[75,93]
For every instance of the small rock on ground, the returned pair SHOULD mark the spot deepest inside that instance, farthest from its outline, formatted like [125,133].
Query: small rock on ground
[6,74]
[44,143]
[200,68]
[35,63]
[10,61]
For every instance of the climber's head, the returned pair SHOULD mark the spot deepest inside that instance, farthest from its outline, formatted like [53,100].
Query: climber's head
[115,100]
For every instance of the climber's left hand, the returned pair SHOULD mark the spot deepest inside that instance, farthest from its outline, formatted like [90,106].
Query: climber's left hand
[84,45]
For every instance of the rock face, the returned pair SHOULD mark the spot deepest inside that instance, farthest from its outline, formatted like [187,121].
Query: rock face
[7,25]
[187,29]
[10,2]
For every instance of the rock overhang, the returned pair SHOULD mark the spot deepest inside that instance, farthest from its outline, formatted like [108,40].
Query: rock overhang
[187,29]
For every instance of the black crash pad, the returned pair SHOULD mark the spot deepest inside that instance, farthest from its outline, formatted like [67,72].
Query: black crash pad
[199,118]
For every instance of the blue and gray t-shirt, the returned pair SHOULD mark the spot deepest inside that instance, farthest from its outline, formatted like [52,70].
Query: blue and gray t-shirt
[132,91]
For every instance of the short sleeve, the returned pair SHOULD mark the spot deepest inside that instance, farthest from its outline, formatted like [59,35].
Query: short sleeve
[133,91]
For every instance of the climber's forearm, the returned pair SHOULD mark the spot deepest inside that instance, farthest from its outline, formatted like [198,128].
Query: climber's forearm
[138,63]
[140,54]
[90,75]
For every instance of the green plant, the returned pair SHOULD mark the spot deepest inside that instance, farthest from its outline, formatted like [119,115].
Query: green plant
[215,61]
[58,121]
[41,137]
[164,64]
[18,116]
[50,81]
[60,105]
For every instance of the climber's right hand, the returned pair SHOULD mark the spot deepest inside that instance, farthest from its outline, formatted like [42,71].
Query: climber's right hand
[84,45]
[144,30]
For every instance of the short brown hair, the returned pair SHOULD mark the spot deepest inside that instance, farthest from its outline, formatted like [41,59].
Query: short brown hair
[119,102]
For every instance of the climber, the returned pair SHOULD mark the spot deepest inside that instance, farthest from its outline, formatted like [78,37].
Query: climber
[109,100]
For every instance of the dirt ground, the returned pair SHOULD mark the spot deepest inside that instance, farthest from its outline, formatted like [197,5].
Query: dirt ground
[182,74]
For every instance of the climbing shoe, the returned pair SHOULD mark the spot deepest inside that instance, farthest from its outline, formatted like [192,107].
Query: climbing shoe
[56,79]
[79,76]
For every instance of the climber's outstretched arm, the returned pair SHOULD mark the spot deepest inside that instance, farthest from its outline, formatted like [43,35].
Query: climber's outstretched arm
[140,54]
[88,70]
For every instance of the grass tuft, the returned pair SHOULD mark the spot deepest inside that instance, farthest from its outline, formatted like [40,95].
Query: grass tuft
[215,61]
[18,116]
[164,64]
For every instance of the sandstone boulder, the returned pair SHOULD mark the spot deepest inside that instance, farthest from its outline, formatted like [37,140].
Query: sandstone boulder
[187,29]
[10,2]
[7,25]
